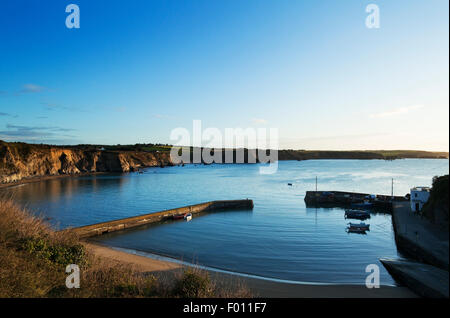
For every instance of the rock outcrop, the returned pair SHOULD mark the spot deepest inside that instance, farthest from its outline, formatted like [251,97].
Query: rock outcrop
[19,161]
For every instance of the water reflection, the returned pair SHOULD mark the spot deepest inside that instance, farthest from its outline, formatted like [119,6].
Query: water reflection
[59,198]
[55,189]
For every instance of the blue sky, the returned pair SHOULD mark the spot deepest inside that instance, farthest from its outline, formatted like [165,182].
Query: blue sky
[136,70]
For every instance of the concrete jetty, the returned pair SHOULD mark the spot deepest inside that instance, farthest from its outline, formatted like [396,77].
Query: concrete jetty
[418,238]
[132,222]
[425,242]
[344,199]
[423,279]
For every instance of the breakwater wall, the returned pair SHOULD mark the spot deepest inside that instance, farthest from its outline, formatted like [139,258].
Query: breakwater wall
[344,199]
[418,239]
[132,222]
[423,279]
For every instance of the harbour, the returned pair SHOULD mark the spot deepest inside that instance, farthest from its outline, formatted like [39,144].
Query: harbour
[214,150]
[282,237]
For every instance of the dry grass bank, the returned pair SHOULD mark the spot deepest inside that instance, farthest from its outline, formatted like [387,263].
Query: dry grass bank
[33,259]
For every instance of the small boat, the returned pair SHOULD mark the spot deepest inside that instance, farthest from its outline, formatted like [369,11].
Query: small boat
[178,217]
[355,230]
[289,184]
[188,216]
[357,214]
[359,226]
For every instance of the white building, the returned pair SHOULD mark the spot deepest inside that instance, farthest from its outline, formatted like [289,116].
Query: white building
[419,195]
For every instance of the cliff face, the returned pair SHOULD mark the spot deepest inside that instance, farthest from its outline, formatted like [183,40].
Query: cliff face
[19,161]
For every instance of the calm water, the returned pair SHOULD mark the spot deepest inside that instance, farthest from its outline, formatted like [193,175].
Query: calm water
[281,238]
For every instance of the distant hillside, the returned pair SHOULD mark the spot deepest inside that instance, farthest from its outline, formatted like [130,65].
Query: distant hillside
[367,154]
[21,160]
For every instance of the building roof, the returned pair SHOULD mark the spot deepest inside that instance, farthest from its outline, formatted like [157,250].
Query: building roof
[421,189]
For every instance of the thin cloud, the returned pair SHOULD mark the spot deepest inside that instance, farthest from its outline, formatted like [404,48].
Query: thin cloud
[161,116]
[55,106]
[334,137]
[396,112]
[259,121]
[324,141]
[39,134]
[7,115]
[35,133]
[31,88]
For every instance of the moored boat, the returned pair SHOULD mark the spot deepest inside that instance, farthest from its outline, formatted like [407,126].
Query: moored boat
[188,216]
[359,226]
[357,214]
[355,230]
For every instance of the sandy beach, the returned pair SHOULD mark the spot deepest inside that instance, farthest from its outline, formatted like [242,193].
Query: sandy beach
[259,287]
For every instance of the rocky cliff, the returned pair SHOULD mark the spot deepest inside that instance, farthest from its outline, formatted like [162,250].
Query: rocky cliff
[19,161]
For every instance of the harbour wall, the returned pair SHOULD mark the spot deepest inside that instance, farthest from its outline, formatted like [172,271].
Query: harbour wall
[345,199]
[418,238]
[136,221]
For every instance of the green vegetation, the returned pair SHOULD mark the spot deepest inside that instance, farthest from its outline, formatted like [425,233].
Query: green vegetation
[437,207]
[33,259]
[355,154]
[193,284]
[61,254]
[23,149]
[139,147]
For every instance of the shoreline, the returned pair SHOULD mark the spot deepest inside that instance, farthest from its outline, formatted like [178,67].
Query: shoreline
[35,179]
[260,287]
[50,177]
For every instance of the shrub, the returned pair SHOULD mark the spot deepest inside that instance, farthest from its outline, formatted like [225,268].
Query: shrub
[193,284]
[55,253]
[436,209]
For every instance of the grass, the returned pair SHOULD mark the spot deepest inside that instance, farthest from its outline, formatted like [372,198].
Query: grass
[33,259]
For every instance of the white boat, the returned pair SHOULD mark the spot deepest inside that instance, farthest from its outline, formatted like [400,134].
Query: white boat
[359,226]
[188,216]
[355,230]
